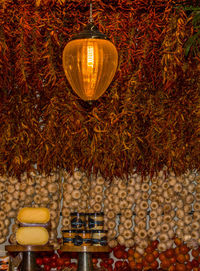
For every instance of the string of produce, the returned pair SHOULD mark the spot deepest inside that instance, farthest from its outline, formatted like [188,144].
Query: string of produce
[136,211]
[147,119]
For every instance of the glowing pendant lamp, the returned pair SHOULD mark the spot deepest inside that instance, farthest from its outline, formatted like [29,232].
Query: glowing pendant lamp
[90,61]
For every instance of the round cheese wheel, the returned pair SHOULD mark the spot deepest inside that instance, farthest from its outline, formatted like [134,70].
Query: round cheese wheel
[32,236]
[33,215]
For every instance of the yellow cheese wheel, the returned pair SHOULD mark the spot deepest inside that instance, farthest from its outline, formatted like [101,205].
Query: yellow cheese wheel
[33,215]
[32,236]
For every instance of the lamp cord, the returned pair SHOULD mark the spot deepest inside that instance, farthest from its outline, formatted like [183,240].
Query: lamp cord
[91,20]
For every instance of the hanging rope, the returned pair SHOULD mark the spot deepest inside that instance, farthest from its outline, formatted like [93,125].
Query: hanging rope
[91,20]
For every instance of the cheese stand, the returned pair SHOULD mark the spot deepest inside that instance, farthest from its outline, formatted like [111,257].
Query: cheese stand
[31,236]
[85,255]
[29,255]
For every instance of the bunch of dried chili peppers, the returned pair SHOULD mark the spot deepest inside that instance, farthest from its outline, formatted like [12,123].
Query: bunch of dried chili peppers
[148,118]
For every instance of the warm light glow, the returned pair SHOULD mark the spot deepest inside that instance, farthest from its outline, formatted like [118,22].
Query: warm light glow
[90,56]
[89,71]
[90,65]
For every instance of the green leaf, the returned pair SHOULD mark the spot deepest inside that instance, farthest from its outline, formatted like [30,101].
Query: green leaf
[196,19]
[191,8]
[192,42]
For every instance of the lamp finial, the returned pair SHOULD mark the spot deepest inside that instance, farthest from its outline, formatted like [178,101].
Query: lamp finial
[91,20]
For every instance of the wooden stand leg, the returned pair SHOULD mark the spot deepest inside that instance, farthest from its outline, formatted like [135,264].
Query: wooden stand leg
[84,261]
[29,262]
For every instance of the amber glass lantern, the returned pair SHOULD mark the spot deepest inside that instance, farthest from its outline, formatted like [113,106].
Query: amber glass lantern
[90,61]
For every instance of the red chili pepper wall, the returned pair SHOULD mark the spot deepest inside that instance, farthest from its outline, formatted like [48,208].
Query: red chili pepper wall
[148,118]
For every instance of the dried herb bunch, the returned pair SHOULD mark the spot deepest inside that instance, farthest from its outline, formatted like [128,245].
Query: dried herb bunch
[148,118]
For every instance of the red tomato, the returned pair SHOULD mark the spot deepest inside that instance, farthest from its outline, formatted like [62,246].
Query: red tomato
[60,261]
[155,253]
[165,263]
[188,266]
[118,264]
[195,263]
[195,253]
[46,260]
[54,264]
[184,249]
[180,258]
[110,261]
[149,258]
[125,255]
[118,253]
[54,257]
[154,265]
[67,262]
[73,266]
[39,261]
[47,267]
[149,249]
[125,264]
[145,263]
[172,260]
[139,266]
[180,267]
[154,243]
[169,253]
[117,247]
[94,260]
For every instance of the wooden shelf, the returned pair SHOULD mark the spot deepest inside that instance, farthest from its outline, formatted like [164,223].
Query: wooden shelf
[19,248]
[85,249]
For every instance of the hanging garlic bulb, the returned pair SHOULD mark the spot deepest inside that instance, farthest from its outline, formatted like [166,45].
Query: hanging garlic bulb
[9,204]
[81,186]
[126,219]
[153,214]
[193,181]
[111,211]
[184,191]
[47,193]
[67,189]
[54,188]
[96,193]
[141,206]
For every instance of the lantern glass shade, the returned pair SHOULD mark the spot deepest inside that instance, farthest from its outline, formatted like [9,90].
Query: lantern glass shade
[90,65]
